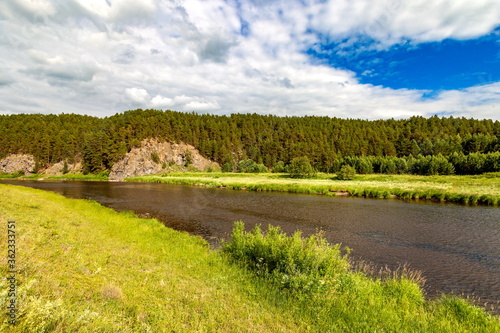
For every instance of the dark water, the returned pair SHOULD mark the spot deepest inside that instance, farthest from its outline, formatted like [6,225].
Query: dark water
[457,248]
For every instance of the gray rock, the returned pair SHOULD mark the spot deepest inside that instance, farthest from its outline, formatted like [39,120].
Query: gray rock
[140,161]
[17,162]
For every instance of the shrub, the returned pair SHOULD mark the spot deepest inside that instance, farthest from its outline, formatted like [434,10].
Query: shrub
[155,158]
[261,168]
[388,166]
[188,157]
[294,263]
[300,167]
[228,167]
[247,166]
[18,173]
[347,172]
[279,167]
[364,166]
[65,168]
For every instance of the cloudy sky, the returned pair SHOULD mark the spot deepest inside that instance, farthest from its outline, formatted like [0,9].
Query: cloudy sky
[368,59]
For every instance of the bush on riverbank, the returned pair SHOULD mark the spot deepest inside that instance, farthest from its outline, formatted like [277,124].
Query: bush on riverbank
[82,267]
[302,265]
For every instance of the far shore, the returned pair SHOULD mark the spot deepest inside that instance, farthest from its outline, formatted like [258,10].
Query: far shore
[473,189]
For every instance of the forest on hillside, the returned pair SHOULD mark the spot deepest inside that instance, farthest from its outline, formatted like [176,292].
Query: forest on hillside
[417,145]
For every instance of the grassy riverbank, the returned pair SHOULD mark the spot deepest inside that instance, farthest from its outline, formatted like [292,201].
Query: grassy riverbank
[483,189]
[82,267]
[103,176]
[473,189]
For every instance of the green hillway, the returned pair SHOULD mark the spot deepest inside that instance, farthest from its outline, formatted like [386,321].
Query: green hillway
[82,267]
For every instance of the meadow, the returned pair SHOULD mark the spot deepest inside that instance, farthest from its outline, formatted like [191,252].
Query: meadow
[81,267]
[472,189]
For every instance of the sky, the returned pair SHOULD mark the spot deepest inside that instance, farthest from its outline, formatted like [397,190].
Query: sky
[367,59]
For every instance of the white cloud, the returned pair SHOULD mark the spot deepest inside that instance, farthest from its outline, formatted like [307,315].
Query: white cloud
[394,21]
[102,57]
[161,102]
[138,95]
[202,106]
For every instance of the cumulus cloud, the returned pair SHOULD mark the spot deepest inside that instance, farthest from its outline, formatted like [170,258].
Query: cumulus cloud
[102,57]
[394,21]
[138,95]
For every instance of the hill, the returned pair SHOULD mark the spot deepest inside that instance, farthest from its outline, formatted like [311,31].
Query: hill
[100,142]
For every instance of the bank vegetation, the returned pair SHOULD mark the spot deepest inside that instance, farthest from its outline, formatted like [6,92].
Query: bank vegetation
[81,267]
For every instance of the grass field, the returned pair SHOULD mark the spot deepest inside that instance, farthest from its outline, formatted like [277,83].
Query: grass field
[82,267]
[483,189]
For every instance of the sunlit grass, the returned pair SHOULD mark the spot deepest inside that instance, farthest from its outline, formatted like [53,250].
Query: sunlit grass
[83,267]
[86,268]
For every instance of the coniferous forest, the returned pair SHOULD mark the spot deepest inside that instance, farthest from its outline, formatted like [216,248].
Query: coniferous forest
[417,145]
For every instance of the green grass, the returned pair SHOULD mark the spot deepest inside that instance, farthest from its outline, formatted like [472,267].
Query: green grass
[83,267]
[79,176]
[69,176]
[482,189]
[86,268]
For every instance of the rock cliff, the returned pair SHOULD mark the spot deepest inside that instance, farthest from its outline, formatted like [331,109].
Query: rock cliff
[18,162]
[154,156]
[26,163]
[57,168]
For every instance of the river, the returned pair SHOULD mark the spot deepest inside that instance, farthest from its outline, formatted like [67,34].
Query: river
[457,248]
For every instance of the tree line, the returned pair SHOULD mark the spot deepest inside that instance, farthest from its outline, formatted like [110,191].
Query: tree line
[415,145]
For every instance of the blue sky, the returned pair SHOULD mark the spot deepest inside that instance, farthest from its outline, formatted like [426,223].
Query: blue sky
[445,65]
[339,58]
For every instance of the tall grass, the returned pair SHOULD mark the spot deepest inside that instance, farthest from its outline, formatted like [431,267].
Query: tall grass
[299,264]
[326,288]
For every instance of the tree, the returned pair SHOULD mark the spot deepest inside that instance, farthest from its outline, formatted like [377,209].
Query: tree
[65,168]
[300,167]
[347,172]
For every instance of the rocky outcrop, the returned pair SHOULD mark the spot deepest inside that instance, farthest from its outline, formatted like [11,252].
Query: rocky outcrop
[153,156]
[57,169]
[18,162]
[26,163]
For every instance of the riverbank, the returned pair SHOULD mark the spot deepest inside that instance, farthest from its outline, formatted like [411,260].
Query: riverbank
[83,267]
[70,176]
[477,189]
[472,189]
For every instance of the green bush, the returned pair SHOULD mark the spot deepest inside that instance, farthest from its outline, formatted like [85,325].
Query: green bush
[228,167]
[155,158]
[347,172]
[279,167]
[249,166]
[294,263]
[300,167]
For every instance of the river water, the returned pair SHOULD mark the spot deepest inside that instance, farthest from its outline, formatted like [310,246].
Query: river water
[457,248]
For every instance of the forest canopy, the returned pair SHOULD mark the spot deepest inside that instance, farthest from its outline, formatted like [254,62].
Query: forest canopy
[452,145]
